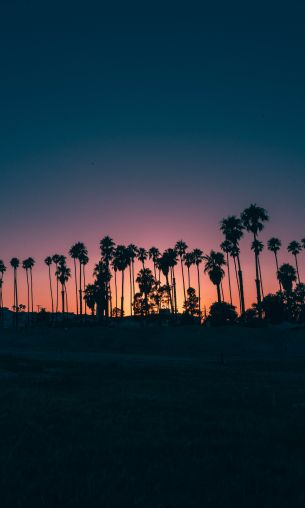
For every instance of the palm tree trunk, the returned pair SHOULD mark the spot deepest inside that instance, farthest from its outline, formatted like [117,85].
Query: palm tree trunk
[116,294]
[51,291]
[241,287]
[80,291]
[258,287]
[17,303]
[57,290]
[169,294]
[130,288]
[183,281]
[222,293]
[63,301]
[261,278]
[175,293]
[122,295]
[297,267]
[76,288]
[189,276]
[32,292]
[229,278]
[84,283]
[66,295]
[199,293]
[28,290]
[218,293]
[277,269]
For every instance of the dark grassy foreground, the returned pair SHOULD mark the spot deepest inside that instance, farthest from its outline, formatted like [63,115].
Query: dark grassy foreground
[152,418]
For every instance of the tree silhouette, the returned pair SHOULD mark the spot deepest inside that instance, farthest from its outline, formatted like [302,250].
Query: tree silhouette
[227,247]
[145,281]
[191,305]
[172,261]
[15,265]
[2,272]
[253,219]
[48,261]
[257,247]
[295,248]
[287,276]
[122,255]
[77,251]
[142,256]
[26,267]
[84,260]
[188,261]
[274,245]
[90,297]
[74,254]
[164,264]
[233,230]
[56,259]
[213,267]
[63,273]
[198,258]
[181,248]
[132,253]
[154,255]
[107,246]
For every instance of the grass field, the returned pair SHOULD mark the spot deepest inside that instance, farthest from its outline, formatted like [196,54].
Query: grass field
[154,418]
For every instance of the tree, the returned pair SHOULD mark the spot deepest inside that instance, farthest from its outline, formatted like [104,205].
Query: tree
[227,246]
[198,258]
[74,253]
[107,246]
[15,265]
[222,313]
[233,230]
[154,255]
[142,256]
[257,247]
[63,273]
[79,250]
[122,255]
[191,304]
[295,248]
[213,267]
[164,263]
[102,281]
[2,272]
[287,276]
[274,245]
[90,297]
[181,248]
[25,266]
[48,261]
[273,308]
[132,253]
[172,262]
[188,261]
[56,259]
[145,281]
[253,219]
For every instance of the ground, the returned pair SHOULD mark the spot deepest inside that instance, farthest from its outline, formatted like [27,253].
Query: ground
[152,417]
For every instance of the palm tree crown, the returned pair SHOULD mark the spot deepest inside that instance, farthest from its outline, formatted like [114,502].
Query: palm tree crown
[253,218]
[294,248]
[274,244]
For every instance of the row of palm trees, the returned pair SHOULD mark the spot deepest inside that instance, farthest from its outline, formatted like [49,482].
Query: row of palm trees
[120,259]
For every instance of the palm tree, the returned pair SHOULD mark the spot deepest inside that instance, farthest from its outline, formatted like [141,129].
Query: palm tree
[63,273]
[145,280]
[172,261]
[90,297]
[226,246]
[122,256]
[107,246]
[84,260]
[295,248]
[233,230]
[142,256]
[253,219]
[56,259]
[74,254]
[114,264]
[181,248]
[164,263]
[132,253]
[15,264]
[198,258]
[154,255]
[48,261]
[188,261]
[79,249]
[287,276]
[2,272]
[26,267]
[274,245]
[257,247]
[213,266]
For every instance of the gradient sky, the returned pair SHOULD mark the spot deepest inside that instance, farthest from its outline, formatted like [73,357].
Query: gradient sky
[149,123]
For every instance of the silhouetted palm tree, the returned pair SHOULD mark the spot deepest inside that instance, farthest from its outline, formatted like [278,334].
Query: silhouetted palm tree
[154,255]
[55,259]
[145,281]
[115,269]
[181,248]
[48,261]
[253,219]
[274,245]
[80,249]
[132,253]
[107,246]
[257,247]
[142,255]
[226,246]
[90,297]
[122,255]
[188,261]
[295,248]
[164,263]
[172,261]
[198,258]
[287,276]
[84,260]
[213,267]
[26,267]
[2,272]
[233,231]
[63,273]
[74,254]
[15,264]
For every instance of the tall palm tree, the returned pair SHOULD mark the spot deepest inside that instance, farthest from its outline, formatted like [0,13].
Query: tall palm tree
[132,253]
[154,255]
[226,246]
[114,264]
[142,256]
[84,260]
[188,261]
[172,261]
[274,245]
[25,266]
[15,264]
[257,247]
[181,248]
[287,276]
[74,254]
[164,263]
[253,219]
[107,246]
[122,256]
[233,230]
[198,258]
[56,259]
[80,250]
[2,272]
[213,267]
[48,261]
[295,248]
[63,273]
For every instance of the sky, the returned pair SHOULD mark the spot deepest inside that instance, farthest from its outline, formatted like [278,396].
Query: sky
[149,122]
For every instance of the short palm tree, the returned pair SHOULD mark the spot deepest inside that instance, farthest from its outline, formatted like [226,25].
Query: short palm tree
[287,276]
[233,231]
[48,261]
[15,265]
[295,248]
[172,261]
[63,273]
[90,297]
[145,281]
[181,248]
[214,263]
[274,245]
[198,258]
[253,219]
